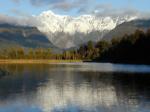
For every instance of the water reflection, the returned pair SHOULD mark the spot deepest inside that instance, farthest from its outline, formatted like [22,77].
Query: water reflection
[67,88]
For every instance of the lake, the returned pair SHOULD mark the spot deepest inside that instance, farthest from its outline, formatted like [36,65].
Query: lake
[74,87]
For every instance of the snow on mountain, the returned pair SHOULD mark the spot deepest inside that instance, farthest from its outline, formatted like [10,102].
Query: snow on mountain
[74,30]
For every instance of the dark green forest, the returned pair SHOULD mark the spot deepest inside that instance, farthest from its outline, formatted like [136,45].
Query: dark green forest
[132,48]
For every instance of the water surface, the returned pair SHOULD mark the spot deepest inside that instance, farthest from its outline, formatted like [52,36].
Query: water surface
[74,87]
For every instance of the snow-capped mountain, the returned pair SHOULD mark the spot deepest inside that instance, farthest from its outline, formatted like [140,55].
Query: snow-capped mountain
[66,31]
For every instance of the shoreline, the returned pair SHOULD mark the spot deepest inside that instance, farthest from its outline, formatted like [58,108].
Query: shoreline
[49,61]
[36,61]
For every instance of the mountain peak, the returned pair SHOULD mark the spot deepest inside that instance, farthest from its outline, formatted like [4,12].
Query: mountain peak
[49,12]
[53,24]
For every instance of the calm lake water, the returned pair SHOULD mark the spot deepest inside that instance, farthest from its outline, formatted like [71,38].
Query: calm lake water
[76,87]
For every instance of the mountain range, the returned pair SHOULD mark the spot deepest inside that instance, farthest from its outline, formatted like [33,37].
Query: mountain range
[63,32]
[66,31]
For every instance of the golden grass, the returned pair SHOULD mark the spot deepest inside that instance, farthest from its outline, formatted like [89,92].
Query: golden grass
[31,61]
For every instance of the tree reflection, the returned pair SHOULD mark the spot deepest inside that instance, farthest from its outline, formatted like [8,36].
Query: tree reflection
[60,88]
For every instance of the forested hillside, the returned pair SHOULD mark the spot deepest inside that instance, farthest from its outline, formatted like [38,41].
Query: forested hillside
[132,48]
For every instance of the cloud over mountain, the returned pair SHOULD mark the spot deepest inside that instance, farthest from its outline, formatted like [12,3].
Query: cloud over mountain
[66,31]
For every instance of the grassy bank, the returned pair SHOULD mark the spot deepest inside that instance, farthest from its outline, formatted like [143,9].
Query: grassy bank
[30,61]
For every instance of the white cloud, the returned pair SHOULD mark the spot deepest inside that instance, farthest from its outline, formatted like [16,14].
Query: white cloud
[25,21]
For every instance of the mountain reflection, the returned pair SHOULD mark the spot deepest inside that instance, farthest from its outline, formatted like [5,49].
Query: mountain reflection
[57,88]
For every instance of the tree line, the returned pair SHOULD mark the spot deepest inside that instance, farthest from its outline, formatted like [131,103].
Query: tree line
[133,48]
[37,53]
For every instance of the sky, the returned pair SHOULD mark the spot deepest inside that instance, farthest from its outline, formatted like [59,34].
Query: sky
[72,7]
